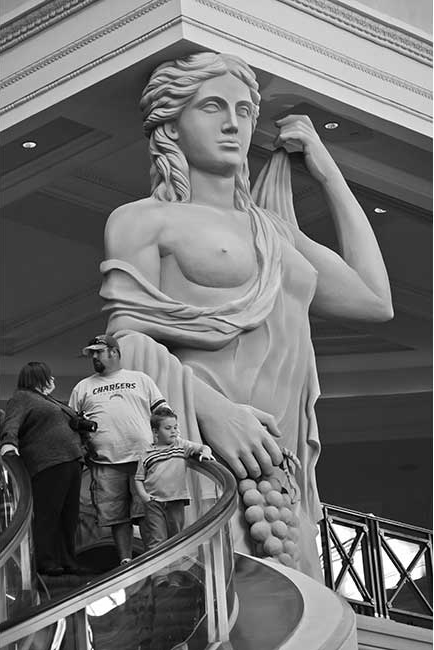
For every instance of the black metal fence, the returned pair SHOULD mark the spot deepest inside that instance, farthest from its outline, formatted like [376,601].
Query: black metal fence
[383,568]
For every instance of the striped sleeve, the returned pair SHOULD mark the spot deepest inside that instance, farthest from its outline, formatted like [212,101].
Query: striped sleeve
[140,473]
[157,403]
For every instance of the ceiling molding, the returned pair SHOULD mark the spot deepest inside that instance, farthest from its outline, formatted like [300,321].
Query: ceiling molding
[55,319]
[376,30]
[276,31]
[311,45]
[84,68]
[35,20]
[90,38]
[351,19]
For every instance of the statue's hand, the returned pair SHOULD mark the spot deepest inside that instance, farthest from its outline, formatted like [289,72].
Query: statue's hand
[244,437]
[266,419]
[317,159]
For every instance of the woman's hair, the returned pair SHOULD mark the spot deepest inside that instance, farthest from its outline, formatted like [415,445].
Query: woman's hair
[170,88]
[161,414]
[35,374]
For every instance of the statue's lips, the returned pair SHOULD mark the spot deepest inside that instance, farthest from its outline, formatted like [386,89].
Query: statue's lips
[232,144]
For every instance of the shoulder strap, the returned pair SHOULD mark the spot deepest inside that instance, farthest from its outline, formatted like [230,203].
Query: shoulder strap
[65,408]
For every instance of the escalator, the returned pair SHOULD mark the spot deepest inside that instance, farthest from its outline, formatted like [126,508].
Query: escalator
[181,593]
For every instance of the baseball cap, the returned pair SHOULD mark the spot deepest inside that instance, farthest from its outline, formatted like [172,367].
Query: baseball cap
[100,342]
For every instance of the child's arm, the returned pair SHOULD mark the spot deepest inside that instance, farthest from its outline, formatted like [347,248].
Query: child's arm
[196,448]
[139,481]
[140,487]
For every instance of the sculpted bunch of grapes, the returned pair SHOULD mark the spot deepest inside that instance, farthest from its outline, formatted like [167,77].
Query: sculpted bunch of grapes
[270,513]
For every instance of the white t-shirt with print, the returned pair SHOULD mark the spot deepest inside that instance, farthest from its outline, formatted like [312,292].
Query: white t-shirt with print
[120,403]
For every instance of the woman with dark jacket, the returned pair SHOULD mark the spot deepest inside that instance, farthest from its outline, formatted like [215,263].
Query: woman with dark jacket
[36,428]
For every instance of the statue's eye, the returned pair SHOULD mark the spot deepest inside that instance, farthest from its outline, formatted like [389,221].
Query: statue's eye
[244,111]
[211,107]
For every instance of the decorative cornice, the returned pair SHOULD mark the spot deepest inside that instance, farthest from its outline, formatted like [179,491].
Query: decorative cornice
[235,14]
[35,20]
[90,38]
[332,11]
[311,45]
[359,23]
[85,68]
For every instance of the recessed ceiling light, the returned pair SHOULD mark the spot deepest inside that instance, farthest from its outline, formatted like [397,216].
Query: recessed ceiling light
[29,144]
[380,210]
[331,125]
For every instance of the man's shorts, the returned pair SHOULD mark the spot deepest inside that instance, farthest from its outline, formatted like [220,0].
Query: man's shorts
[114,495]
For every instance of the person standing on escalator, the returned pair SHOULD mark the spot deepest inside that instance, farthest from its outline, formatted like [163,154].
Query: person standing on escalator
[35,428]
[161,477]
[121,402]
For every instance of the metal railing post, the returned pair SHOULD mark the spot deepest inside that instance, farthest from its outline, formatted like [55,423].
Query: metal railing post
[326,550]
[209,592]
[378,569]
[220,587]
[81,630]
[26,564]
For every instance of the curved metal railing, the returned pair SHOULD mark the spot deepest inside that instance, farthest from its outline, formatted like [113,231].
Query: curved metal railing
[16,506]
[204,544]
[18,577]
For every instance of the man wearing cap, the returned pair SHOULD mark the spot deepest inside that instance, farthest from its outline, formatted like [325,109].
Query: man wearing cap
[121,402]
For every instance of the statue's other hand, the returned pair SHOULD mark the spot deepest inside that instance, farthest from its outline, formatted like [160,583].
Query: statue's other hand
[242,438]
[316,157]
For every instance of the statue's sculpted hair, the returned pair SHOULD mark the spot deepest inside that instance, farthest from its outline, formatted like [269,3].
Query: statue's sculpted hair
[170,88]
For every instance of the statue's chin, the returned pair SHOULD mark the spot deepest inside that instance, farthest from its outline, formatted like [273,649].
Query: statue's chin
[227,165]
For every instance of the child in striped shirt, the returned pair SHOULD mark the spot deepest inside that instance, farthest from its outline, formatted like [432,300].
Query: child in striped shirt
[161,478]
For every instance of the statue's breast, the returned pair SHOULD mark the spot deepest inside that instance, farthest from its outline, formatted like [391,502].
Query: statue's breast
[210,252]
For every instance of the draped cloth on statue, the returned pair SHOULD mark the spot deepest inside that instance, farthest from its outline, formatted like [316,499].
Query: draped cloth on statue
[173,322]
[254,350]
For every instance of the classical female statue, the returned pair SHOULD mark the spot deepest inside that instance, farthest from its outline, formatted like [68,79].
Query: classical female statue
[210,293]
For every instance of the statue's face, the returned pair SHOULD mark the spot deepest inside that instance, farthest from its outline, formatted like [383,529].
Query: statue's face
[215,128]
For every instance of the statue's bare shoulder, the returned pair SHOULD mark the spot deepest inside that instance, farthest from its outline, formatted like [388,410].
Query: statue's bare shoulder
[133,233]
[134,226]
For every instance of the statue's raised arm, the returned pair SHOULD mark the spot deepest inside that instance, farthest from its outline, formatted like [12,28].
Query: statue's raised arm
[210,293]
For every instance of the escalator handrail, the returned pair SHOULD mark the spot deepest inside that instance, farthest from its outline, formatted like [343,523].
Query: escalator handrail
[11,538]
[204,528]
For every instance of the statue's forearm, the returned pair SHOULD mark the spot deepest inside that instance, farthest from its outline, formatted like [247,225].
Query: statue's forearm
[209,404]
